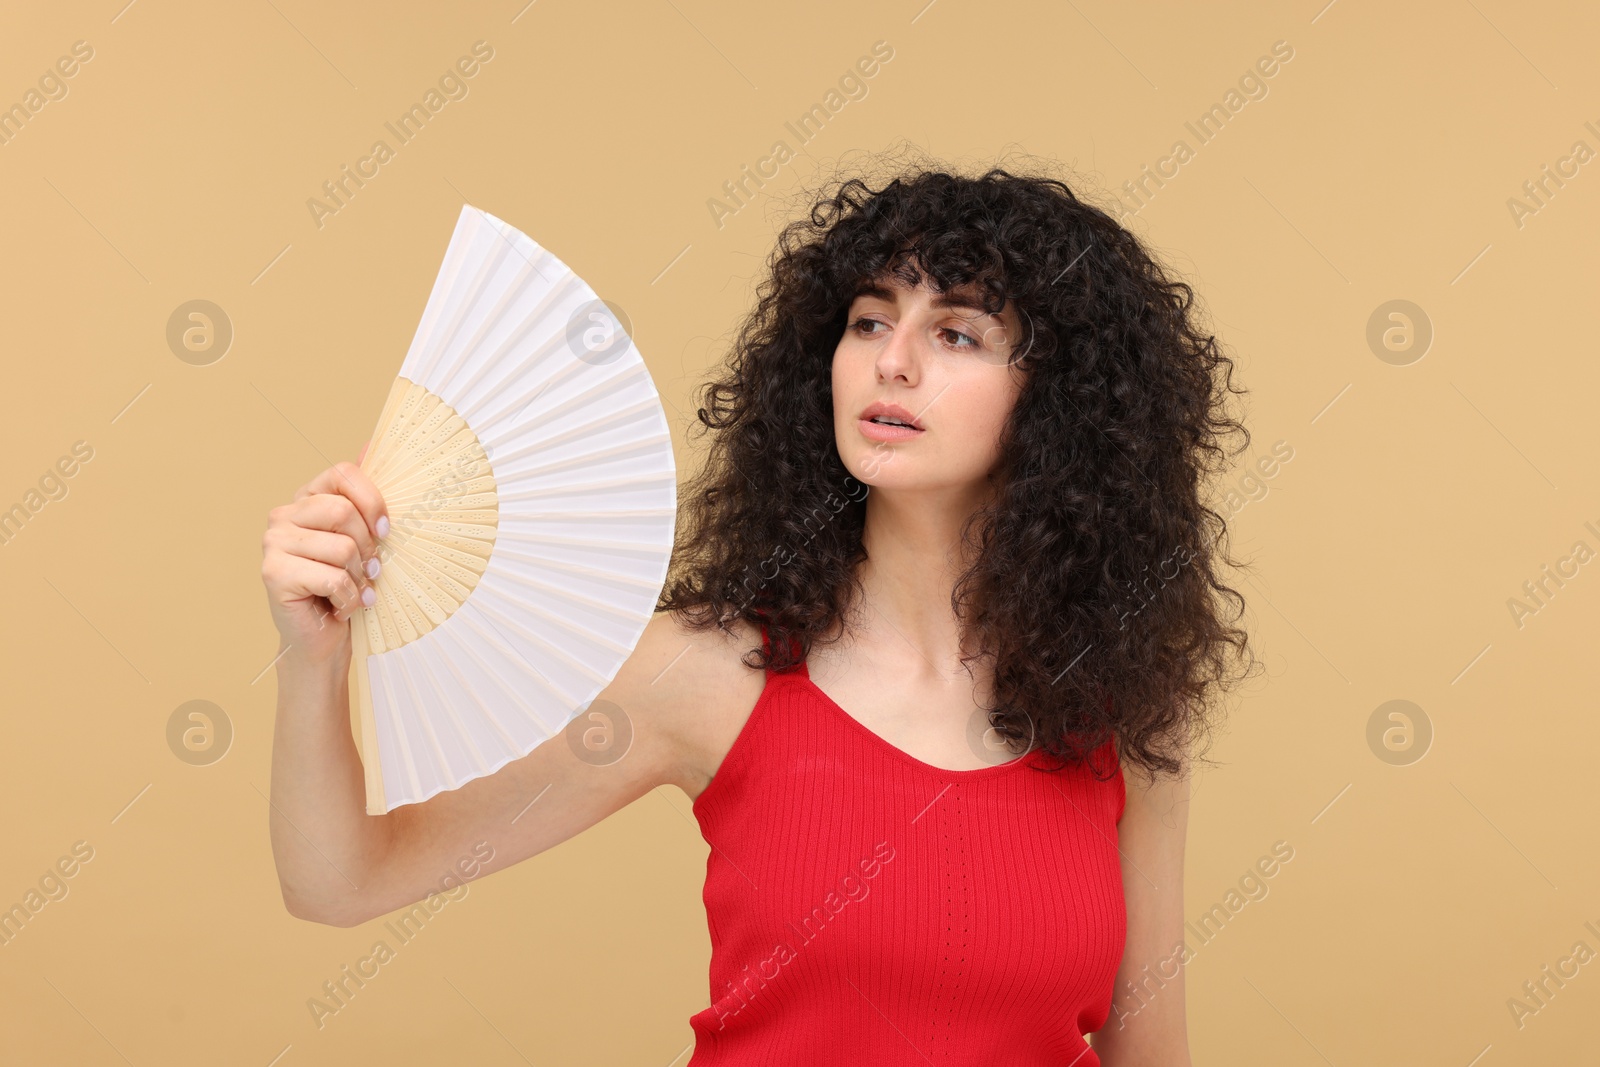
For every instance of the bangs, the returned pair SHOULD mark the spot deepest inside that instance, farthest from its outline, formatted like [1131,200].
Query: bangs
[945,269]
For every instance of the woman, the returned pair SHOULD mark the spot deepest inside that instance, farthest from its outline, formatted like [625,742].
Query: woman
[954,486]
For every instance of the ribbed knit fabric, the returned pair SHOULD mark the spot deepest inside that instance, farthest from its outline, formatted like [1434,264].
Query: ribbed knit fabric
[867,907]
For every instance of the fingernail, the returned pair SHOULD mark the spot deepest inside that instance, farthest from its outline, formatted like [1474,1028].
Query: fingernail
[368,597]
[372,567]
[383,525]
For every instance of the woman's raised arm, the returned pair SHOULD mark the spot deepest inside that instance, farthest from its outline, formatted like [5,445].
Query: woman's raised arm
[339,865]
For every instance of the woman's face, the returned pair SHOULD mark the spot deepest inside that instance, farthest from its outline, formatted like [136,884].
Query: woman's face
[945,365]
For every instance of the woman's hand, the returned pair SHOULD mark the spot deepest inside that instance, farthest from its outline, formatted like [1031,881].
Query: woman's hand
[319,556]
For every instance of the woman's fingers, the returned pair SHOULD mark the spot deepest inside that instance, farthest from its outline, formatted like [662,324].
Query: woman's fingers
[349,481]
[334,513]
[320,551]
[334,549]
[299,577]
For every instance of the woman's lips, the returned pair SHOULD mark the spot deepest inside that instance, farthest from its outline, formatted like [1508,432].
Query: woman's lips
[877,431]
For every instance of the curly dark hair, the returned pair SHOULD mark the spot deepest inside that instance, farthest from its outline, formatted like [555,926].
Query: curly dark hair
[1094,586]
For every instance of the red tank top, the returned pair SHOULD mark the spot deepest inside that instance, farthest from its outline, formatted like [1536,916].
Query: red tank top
[866,906]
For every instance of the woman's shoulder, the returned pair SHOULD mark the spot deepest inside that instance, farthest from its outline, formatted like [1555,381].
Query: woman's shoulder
[693,686]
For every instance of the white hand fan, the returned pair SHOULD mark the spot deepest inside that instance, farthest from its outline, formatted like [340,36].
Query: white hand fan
[527,467]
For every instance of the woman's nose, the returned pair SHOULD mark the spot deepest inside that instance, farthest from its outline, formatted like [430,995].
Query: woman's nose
[899,356]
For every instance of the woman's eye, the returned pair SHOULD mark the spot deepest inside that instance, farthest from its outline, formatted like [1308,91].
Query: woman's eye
[953,337]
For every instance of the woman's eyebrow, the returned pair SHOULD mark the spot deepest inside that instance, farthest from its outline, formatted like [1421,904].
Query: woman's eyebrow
[940,300]
[876,291]
[946,300]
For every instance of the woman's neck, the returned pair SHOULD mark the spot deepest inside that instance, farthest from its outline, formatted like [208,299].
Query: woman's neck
[913,557]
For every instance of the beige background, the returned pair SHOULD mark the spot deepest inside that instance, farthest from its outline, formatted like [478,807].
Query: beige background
[1418,501]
